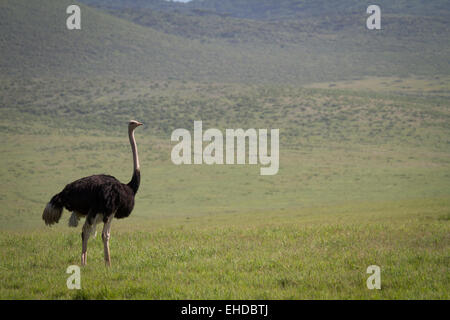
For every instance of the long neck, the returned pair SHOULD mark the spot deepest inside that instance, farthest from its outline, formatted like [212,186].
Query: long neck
[136,179]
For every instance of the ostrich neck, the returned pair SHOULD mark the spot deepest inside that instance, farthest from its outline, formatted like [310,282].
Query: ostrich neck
[134,150]
[136,178]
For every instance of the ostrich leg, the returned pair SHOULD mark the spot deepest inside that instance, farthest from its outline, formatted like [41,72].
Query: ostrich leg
[85,233]
[105,237]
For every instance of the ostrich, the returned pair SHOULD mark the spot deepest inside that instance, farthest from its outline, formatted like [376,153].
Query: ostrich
[98,198]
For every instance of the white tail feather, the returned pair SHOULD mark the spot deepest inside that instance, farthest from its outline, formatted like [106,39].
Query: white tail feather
[51,214]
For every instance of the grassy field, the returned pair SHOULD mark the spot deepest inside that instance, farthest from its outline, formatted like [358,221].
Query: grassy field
[364,179]
[364,120]
[313,253]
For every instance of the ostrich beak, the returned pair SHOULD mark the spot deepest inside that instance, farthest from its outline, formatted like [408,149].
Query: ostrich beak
[139,124]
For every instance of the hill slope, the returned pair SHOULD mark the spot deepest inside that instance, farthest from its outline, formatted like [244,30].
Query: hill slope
[35,42]
[279,9]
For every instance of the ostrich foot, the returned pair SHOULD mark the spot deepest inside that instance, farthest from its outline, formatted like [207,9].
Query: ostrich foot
[83,259]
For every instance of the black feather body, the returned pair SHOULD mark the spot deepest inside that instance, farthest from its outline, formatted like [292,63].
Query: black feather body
[98,194]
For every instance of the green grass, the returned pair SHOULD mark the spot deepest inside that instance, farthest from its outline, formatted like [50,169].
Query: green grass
[364,179]
[314,253]
[364,172]
[431,87]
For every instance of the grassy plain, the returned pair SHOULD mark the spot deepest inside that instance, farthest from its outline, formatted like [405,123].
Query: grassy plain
[364,179]
[313,253]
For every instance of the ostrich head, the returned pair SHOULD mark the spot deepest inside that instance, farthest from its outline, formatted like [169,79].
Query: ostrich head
[133,124]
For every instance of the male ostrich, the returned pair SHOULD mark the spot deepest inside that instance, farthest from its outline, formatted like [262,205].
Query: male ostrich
[98,197]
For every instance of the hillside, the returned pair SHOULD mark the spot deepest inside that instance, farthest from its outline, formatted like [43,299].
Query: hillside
[279,9]
[340,30]
[35,42]
[158,45]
